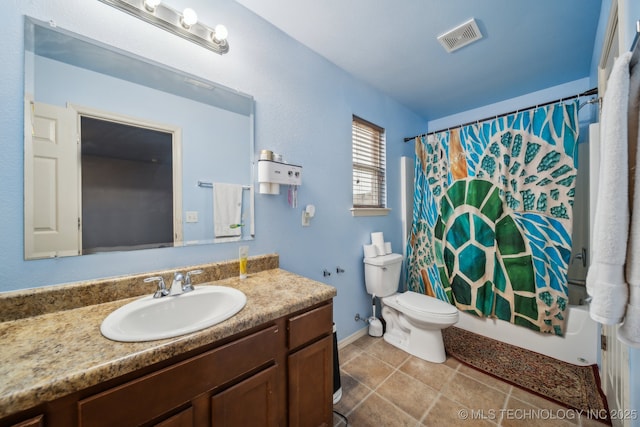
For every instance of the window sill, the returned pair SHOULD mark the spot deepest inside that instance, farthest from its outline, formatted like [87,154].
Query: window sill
[370,211]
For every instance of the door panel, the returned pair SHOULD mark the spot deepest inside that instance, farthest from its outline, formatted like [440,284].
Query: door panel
[51,182]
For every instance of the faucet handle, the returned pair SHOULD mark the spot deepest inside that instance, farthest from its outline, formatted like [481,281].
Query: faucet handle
[187,286]
[162,290]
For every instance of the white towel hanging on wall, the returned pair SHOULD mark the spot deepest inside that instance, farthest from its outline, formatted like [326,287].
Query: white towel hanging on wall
[227,212]
[629,331]
[605,279]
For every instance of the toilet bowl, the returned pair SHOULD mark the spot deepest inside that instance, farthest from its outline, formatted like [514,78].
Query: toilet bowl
[414,321]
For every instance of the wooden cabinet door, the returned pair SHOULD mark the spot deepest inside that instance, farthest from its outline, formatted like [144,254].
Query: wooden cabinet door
[311,385]
[181,419]
[253,402]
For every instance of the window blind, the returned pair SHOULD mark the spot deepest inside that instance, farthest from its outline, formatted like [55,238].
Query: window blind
[368,165]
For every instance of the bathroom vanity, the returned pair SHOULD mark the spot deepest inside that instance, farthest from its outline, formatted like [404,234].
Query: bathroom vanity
[269,365]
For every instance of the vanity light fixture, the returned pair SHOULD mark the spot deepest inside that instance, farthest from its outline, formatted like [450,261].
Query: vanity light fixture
[189,18]
[220,32]
[151,5]
[183,24]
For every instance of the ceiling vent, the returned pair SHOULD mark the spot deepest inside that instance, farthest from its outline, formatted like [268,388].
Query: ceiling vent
[460,36]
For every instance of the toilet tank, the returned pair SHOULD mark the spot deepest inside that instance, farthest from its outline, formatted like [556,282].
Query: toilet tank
[382,274]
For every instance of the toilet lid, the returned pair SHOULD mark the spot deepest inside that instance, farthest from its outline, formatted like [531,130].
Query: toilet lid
[425,304]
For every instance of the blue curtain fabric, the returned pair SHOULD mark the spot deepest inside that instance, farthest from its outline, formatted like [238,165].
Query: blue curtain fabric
[492,216]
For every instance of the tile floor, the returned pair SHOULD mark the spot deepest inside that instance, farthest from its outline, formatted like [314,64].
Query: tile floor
[385,386]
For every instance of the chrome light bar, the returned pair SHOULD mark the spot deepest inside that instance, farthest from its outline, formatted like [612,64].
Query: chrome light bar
[183,24]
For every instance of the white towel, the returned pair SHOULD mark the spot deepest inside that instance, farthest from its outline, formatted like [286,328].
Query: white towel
[629,332]
[605,279]
[227,212]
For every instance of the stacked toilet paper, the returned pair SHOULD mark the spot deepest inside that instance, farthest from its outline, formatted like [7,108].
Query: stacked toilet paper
[378,246]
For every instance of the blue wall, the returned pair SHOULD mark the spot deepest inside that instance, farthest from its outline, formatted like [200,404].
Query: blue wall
[304,106]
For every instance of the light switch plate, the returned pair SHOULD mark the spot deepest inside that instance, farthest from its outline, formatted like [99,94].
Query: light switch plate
[191,216]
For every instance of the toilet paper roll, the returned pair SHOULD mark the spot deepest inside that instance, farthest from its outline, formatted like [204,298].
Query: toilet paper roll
[370,251]
[387,248]
[377,239]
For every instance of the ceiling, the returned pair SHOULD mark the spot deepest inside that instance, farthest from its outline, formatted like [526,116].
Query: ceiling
[392,45]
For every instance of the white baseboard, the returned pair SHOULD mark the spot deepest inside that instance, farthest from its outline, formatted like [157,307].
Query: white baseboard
[351,338]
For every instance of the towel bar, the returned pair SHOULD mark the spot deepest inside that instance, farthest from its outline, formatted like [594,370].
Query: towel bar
[210,185]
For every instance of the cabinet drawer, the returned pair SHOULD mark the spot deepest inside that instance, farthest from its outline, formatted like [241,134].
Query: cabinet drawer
[308,326]
[152,395]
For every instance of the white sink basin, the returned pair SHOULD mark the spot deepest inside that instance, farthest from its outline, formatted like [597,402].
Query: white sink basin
[151,318]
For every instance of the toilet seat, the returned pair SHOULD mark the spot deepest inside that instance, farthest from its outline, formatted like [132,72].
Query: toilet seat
[422,306]
[425,304]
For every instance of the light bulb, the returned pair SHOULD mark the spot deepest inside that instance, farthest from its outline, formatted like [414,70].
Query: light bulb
[151,5]
[220,33]
[189,17]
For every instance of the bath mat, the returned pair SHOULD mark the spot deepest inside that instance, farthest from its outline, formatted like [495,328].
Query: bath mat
[572,386]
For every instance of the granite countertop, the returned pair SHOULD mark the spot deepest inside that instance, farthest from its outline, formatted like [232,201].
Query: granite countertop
[54,354]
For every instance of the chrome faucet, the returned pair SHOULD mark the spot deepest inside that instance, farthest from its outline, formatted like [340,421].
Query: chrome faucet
[582,256]
[181,283]
[177,286]
[162,290]
[188,286]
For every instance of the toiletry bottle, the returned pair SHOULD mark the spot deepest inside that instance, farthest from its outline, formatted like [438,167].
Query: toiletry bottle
[243,253]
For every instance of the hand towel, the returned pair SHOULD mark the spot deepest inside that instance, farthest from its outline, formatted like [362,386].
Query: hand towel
[227,212]
[252,222]
[629,332]
[605,278]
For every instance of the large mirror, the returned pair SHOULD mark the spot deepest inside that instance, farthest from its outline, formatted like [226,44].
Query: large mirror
[122,153]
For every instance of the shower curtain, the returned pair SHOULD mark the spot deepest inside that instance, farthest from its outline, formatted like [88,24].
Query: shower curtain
[492,216]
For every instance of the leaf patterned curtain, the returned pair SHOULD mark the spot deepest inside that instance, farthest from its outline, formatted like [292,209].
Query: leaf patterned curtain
[492,216]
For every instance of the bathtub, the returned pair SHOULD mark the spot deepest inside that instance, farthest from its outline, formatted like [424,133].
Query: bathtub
[579,346]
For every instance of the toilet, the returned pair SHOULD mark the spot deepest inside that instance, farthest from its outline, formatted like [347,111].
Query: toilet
[414,321]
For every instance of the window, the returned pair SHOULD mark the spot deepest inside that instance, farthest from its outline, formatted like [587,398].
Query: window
[369,192]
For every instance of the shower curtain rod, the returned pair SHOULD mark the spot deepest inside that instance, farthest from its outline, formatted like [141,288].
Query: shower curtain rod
[589,92]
